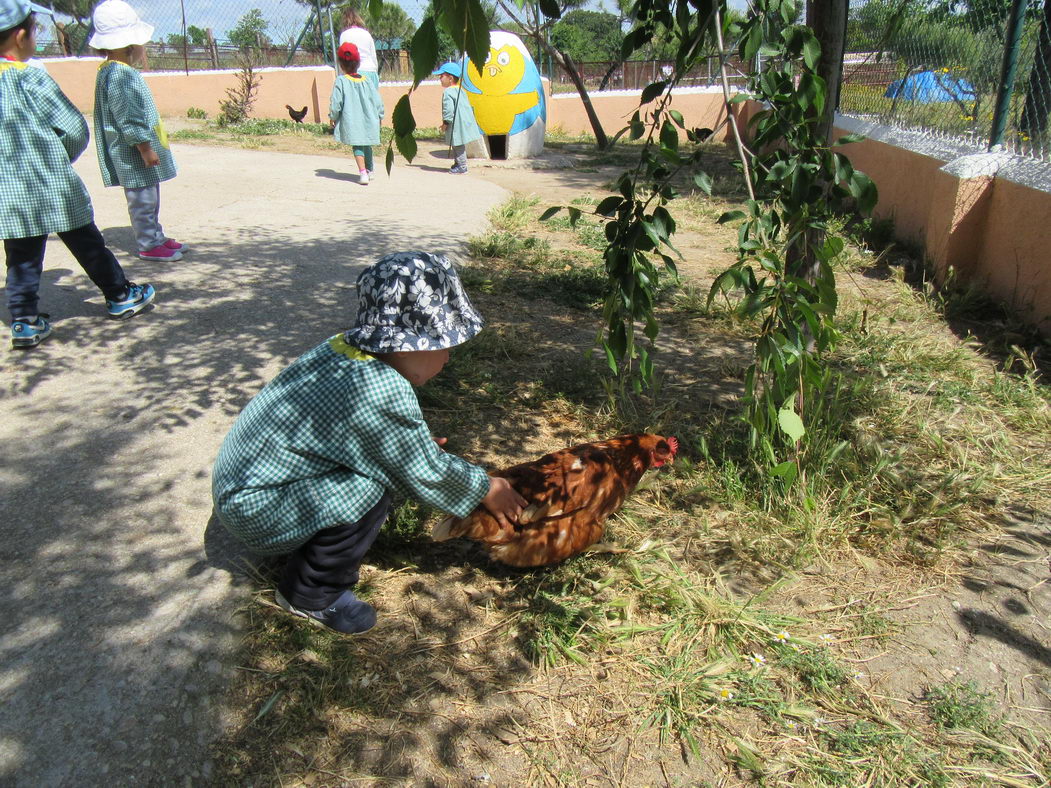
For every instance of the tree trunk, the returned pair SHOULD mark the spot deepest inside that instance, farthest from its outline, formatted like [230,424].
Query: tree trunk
[828,20]
[566,62]
[1038,91]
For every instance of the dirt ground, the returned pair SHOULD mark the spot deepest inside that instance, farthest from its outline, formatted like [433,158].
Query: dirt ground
[466,707]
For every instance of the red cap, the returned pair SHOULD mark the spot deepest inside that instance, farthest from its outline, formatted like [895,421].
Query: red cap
[347,51]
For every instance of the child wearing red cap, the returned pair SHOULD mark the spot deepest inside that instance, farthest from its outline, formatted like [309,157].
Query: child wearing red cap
[356,110]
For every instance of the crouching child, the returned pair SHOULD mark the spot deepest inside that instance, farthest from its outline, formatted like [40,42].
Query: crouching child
[309,466]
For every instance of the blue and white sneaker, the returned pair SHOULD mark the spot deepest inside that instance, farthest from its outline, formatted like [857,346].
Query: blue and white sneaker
[27,334]
[347,614]
[136,299]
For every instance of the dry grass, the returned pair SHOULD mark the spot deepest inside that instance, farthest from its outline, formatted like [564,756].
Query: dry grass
[734,639]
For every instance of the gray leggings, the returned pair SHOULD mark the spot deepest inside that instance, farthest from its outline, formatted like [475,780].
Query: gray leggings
[460,154]
[144,205]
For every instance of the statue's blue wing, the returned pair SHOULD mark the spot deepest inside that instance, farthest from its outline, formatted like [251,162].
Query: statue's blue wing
[531,83]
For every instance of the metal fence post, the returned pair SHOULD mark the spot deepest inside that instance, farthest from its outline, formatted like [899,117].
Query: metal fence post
[1015,22]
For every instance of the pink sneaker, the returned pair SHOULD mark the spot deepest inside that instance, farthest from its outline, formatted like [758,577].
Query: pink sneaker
[162,252]
[171,243]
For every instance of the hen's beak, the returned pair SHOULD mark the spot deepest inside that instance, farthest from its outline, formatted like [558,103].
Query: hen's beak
[493,71]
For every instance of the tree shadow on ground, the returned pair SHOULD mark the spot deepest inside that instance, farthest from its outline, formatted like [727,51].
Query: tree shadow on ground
[114,425]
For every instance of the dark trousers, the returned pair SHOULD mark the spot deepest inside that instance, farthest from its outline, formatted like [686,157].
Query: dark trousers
[327,565]
[25,261]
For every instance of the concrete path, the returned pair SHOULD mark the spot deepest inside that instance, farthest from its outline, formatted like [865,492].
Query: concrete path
[117,608]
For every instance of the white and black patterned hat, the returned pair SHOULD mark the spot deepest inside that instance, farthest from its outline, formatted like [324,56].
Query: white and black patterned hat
[412,301]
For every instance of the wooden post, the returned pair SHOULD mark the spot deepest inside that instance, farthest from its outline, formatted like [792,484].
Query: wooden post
[213,49]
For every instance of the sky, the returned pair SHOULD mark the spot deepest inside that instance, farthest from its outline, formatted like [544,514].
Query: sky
[286,17]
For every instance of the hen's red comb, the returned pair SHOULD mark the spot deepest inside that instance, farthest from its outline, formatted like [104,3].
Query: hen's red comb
[674,443]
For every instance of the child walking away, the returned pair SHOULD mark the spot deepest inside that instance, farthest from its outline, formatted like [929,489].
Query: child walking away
[41,134]
[129,135]
[458,121]
[356,110]
[309,465]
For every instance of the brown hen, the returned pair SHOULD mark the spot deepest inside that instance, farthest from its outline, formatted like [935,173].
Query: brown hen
[570,493]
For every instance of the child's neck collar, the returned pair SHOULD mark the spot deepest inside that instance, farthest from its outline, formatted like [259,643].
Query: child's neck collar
[9,56]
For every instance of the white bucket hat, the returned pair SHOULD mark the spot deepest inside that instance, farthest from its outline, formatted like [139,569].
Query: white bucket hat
[117,26]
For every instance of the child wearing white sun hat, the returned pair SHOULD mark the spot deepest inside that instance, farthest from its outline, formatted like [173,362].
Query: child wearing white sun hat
[130,138]
[309,465]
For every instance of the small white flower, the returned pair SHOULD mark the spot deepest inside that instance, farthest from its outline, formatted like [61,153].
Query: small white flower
[820,721]
[782,637]
[725,694]
[791,725]
[857,675]
[756,659]
[794,647]
[826,638]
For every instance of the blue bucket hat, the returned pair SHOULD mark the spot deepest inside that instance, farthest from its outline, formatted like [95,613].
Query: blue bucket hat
[412,301]
[450,68]
[14,12]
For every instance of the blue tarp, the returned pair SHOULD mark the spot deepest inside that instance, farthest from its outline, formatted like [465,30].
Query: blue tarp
[928,87]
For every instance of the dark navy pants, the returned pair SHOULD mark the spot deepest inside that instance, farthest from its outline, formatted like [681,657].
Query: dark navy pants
[25,261]
[327,565]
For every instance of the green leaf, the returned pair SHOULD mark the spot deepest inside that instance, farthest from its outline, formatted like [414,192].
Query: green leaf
[849,138]
[786,470]
[790,423]
[465,22]
[669,136]
[402,120]
[703,181]
[731,216]
[811,52]
[551,9]
[390,156]
[406,146]
[550,212]
[676,116]
[574,216]
[424,49]
[651,91]
[609,206]
[375,8]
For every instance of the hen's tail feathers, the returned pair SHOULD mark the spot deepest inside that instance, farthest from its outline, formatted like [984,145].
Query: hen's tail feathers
[440,532]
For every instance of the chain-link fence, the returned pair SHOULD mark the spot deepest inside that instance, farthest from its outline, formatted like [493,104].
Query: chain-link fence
[976,70]
[209,34]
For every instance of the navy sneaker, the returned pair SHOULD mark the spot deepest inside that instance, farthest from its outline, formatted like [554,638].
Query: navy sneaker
[347,614]
[26,334]
[136,299]
[458,169]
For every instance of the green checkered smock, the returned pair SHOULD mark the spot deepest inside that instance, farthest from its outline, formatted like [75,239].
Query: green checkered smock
[126,116]
[322,442]
[41,134]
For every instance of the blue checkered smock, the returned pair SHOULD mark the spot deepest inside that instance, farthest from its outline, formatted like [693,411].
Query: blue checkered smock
[322,442]
[41,134]
[125,116]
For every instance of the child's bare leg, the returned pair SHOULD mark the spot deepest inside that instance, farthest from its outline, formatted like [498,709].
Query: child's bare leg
[360,160]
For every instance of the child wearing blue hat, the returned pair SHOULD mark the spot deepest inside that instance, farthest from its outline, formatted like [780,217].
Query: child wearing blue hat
[458,121]
[41,135]
[309,465]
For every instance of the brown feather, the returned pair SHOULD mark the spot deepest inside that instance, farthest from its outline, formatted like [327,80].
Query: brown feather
[570,494]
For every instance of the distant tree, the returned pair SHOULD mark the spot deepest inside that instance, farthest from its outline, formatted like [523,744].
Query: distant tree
[78,9]
[177,40]
[392,27]
[250,30]
[588,36]
[446,48]
[198,36]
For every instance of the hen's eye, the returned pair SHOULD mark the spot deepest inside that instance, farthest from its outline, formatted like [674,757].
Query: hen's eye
[503,58]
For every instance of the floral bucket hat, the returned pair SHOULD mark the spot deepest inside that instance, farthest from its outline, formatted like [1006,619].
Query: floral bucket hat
[412,301]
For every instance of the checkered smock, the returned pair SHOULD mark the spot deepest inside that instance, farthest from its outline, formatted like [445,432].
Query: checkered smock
[126,116]
[41,134]
[322,442]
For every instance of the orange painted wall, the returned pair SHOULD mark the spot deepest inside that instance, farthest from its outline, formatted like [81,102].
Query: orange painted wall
[1015,250]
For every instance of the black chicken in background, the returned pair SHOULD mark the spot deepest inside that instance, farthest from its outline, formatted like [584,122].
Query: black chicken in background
[296,114]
